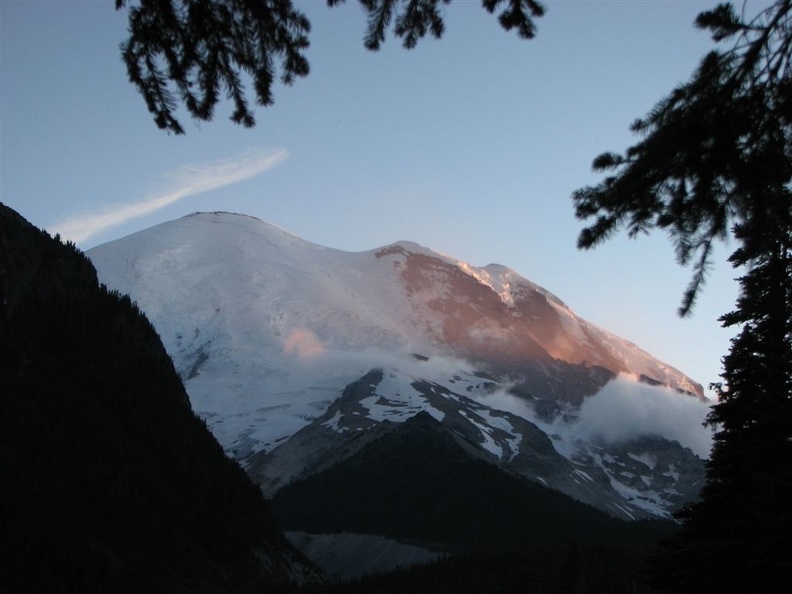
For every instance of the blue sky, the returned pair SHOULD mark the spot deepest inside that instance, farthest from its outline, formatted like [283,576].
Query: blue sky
[471,145]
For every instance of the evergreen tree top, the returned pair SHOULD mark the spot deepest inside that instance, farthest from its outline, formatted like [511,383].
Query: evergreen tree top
[192,52]
[714,156]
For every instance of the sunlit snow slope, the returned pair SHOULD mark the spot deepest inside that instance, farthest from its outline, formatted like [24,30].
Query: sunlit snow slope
[266,329]
[290,351]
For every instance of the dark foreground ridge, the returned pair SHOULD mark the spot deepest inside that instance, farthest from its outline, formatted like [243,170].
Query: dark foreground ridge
[108,480]
[416,484]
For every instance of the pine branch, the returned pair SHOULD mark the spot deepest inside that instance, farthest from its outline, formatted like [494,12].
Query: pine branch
[206,45]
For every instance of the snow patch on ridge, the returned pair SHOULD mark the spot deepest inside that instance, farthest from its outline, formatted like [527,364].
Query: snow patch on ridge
[402,402]
[494,276]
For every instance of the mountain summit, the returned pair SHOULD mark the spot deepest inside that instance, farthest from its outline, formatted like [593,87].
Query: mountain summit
[289,349]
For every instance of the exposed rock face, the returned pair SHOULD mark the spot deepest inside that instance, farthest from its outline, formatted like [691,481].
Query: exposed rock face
[511,327]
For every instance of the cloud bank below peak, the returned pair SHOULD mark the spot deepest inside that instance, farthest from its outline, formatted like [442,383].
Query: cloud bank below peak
[625,409]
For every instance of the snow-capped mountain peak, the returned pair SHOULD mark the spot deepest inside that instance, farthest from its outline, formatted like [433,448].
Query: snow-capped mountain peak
[267,330]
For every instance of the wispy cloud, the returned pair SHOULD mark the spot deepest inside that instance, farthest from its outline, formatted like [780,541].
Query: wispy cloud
[186,181]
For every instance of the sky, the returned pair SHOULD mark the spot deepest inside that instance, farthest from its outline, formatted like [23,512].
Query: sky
[471,145]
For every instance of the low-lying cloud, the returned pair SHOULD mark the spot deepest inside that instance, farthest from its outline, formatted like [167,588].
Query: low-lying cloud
[625,409]
[302,343]
[181,183]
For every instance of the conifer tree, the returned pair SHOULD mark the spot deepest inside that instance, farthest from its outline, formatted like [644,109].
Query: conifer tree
[738,536]
[715,160]
[191,52]
[710,149]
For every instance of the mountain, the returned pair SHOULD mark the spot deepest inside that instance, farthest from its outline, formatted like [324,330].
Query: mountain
[301,358]
[640,478]
[415,483]
[110,482]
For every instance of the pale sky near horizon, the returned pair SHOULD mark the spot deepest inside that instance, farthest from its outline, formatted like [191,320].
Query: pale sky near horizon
[471,145]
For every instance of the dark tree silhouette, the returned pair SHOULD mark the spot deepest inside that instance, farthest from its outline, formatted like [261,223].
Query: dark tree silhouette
[739,535]
[191,52]
[715,161]
[715,153]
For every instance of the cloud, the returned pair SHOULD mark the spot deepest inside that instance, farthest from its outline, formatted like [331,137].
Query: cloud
[625,409]
[302,343]
[488,331]
[313,359]
[502,400]
[186,181]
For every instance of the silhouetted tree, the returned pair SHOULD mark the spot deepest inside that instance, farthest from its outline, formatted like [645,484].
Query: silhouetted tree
[714,153]
[194,51]
[739,535]
[715,160]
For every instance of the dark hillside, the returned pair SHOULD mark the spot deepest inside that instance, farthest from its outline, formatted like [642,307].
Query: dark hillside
[417,484]
[571,569]
[108,481]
